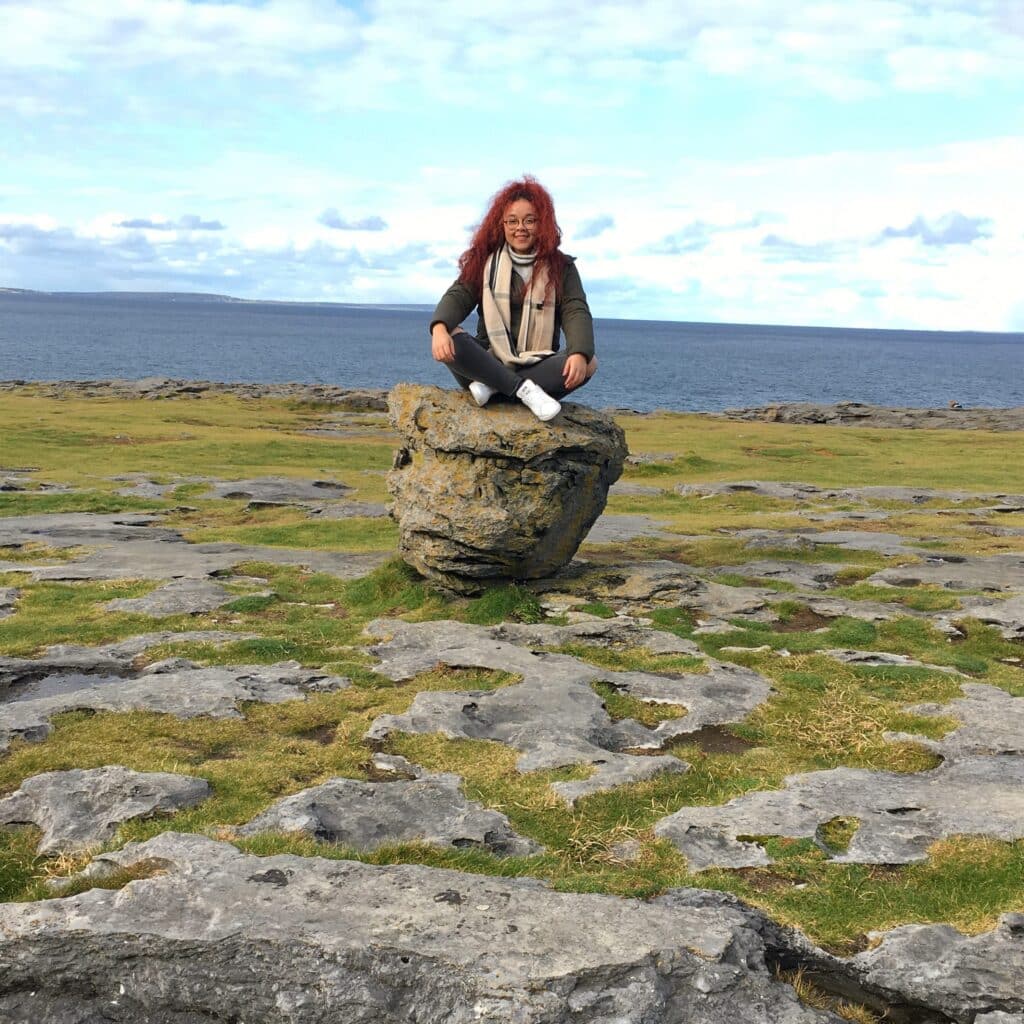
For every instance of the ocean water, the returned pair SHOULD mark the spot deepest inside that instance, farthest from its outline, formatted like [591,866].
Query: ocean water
[644,364]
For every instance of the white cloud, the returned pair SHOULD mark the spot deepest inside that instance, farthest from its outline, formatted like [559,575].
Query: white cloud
[330,218]
[68,35]
[911,238]
[174,96]
[477,56]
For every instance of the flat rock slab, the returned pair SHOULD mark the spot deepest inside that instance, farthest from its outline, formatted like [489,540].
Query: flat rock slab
[23,480]
[657,581]
[861,516]
[1007,616]
[999,531]
[961,976]
[853,540]
[179,597]
[114,658]
[175,687]
[220,935]
[127,546]
[992,722]
[882,659]
[278,490]
[617,632]
[900,815]
[650,458]
[364,816]
[867,611]
[138,485]
[811,492]
[661,582]
[958,572]
[612,528]
[627,487]
[858,414]
[812,575]
[81,529]
[175,558]
[8,599]
[553,717]
[350,510]
[80,809]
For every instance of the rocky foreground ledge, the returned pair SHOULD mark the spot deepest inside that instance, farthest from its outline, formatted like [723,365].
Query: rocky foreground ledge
[216,935]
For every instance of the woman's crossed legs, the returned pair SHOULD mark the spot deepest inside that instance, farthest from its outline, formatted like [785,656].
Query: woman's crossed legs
[473,362]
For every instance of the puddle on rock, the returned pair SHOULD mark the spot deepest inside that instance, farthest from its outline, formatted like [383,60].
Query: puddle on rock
[59,684]
[713,739]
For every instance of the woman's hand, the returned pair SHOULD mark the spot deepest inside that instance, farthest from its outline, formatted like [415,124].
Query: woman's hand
[441,346]
[574,373]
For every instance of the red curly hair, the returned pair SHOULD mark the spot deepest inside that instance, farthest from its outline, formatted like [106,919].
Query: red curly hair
[489,235]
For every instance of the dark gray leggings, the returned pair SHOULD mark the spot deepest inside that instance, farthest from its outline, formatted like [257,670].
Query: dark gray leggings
[474,362]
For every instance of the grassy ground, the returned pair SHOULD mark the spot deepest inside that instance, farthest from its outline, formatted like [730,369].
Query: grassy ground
[822,714]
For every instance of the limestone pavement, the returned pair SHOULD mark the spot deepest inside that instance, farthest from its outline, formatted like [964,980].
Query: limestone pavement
[217,934]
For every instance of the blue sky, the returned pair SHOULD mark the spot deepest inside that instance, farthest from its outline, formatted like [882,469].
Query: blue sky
[786,161]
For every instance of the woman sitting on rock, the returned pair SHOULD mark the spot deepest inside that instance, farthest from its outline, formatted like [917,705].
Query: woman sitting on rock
[525,290]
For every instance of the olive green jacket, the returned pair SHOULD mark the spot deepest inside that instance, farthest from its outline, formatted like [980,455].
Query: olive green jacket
[572,314]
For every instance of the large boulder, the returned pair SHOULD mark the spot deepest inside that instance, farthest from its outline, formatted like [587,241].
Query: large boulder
[494,493]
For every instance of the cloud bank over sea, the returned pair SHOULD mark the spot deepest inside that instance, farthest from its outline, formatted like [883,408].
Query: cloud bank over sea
[799,162]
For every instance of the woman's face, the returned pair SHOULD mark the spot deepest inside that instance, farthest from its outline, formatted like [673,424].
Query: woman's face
[521,226]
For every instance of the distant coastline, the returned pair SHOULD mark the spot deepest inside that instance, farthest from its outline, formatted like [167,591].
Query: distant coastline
[213,298]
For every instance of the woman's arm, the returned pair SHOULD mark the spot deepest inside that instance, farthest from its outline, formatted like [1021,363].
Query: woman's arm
[455,305]
[577,323]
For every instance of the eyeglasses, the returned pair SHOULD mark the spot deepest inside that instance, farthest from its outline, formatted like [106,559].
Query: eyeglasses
[527,222]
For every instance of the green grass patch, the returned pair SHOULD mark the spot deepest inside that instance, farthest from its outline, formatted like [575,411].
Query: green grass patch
[598,608]
[621,705]
[72,613]
[355,534]
[20,869]
[33,553]
[32,503]
[838,833]
[853,456]
[632,659]
[966,882]
[732,579]
[511,603]
[680,465]
[841,632]
[252,603]
[922,599]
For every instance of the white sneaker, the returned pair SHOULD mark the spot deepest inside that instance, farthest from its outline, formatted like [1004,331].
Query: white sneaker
[538,401]
[482,392]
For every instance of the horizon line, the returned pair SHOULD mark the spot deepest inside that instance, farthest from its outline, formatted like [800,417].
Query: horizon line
[232,299]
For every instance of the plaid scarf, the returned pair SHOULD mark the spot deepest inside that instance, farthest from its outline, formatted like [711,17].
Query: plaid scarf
[537,324]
